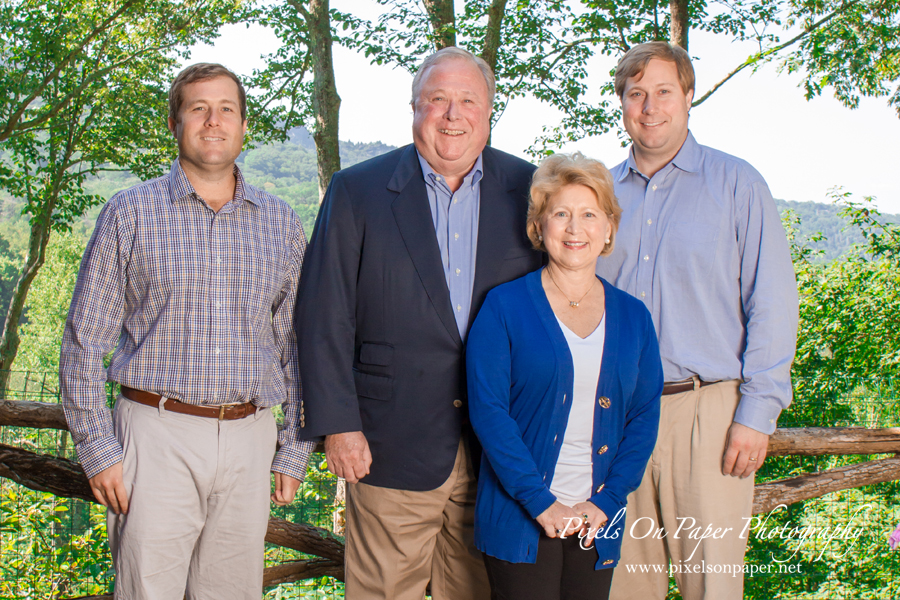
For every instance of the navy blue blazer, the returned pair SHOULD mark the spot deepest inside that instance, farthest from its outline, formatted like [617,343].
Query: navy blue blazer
[379,348]
[520,378]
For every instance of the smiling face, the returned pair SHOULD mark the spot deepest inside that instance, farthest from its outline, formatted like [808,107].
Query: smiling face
[209,129]
[655,114]
[451,116]
[574,227]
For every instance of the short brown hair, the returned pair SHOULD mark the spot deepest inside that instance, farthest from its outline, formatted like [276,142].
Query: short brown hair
[635,61]
[560,170]
[202,72]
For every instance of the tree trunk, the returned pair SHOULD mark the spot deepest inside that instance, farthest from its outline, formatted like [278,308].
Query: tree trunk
[326,102]
[66,479]
[37,248]
[36,415]
[289,572]
[305,538]
[768,496]
[443,22]
[492,34]
[58,476]
[820,441]
[678,23]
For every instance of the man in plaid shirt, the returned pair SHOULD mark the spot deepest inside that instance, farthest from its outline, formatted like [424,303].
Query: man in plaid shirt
[190,280]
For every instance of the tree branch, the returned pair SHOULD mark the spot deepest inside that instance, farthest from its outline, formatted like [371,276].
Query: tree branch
[756,58]
[821,441]
[768,496]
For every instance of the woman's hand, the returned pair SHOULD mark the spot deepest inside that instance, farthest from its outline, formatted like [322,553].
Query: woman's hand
[559,520]
[596,519]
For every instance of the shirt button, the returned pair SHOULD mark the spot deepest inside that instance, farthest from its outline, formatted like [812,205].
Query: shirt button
[604,402]
[218,260]
[218,305]
[456,236]
[654,188]
[603,449]
[456,201]
[457,271]
[608,562]
[218,351]
[643,294]
[649,221]
[458,307]
[457,403]
[646,257]
[554,437]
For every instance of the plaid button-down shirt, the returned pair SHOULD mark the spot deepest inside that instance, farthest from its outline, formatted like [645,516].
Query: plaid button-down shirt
[197,304]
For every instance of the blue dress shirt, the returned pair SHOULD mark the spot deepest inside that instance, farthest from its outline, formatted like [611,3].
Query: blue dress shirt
[520,381]
[455,216]
[702,246]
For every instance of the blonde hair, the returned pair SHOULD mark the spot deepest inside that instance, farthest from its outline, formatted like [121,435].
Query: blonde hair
[560,170]
[635,61]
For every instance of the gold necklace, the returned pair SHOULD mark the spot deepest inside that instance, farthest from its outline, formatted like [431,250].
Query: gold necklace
[572,303]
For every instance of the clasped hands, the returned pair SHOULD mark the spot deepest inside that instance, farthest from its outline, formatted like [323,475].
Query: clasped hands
[561,521]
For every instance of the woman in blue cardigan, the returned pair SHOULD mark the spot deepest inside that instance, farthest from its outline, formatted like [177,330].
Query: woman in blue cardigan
[564,382]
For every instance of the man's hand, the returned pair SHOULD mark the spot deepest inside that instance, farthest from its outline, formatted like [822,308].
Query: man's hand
[285,489]
[745,451]
[348,455]
[109,489]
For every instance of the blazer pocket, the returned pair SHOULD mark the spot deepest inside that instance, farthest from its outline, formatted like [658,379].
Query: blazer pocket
[377,387]
[371,353]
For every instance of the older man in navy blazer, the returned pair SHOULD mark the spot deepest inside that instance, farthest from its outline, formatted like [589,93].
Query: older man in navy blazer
[405,248]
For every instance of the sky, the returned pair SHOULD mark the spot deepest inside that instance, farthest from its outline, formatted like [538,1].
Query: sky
[802,148]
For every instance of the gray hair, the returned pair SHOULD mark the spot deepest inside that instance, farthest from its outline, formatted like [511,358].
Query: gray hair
[450,53]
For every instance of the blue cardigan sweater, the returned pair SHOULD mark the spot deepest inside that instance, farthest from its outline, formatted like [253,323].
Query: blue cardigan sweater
[520,381]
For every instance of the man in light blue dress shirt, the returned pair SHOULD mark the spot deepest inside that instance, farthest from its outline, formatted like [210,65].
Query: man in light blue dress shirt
[701,244]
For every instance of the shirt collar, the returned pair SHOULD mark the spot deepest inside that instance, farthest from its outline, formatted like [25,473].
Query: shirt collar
[687,159]
[181,186]
[472,177]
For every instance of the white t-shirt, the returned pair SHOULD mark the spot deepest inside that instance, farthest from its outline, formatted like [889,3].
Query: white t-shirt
[573,477]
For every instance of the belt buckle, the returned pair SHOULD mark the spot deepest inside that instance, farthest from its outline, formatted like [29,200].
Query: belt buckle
[222,408]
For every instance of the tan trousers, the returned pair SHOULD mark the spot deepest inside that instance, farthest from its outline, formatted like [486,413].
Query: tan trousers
[198,493]
[684,497]
[399,540]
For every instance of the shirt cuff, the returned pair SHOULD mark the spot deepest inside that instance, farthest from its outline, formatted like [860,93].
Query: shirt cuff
[292,459]
[99,454]
[757,414]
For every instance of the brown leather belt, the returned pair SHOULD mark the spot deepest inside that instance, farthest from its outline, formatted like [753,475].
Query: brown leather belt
[677,387]
[223,412]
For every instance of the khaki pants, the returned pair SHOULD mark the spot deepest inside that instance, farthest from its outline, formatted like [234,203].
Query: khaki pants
[683,487]
[198,493]
[399,540]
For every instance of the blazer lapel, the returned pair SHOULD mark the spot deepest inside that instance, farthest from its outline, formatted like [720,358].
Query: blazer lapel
[498,228]
[413,216]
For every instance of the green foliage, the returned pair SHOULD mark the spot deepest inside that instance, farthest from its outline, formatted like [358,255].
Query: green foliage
[48,305]
[849,46]
[43,561]
[288,170]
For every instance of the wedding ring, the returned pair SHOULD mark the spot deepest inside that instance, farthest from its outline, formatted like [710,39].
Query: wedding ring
[558,531]
[752,460]
[584,517]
